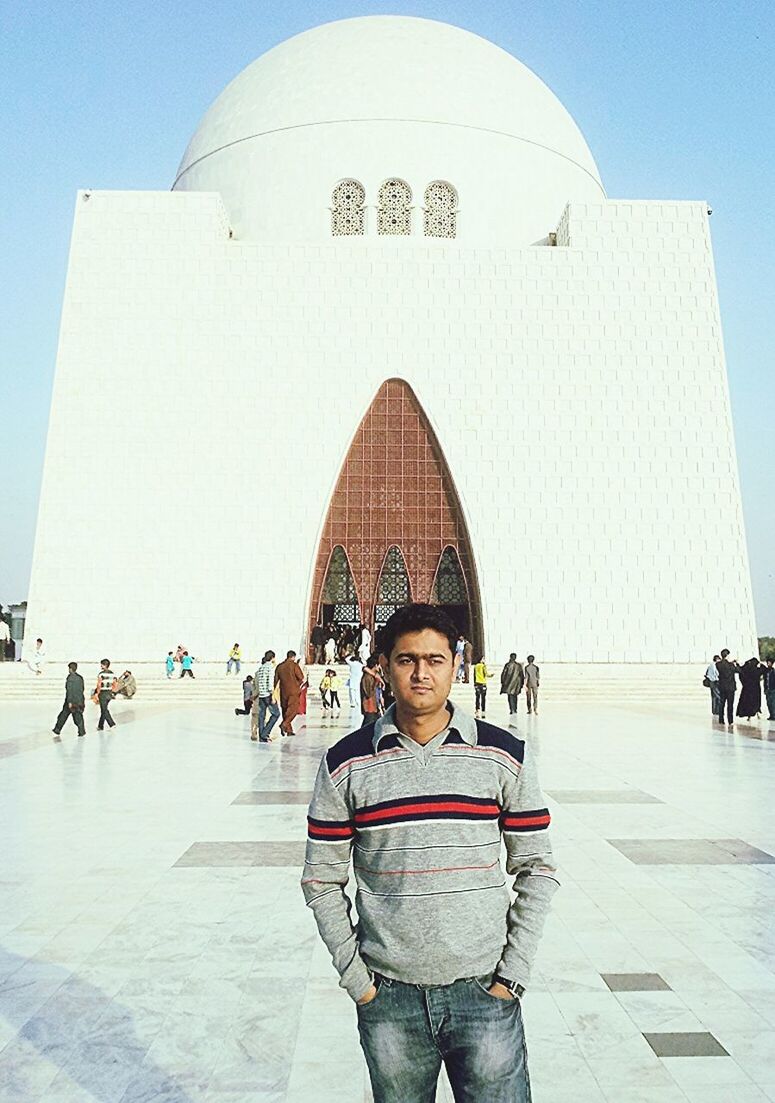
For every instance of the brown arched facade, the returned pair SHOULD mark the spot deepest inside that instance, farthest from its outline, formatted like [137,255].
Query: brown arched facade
[396,516]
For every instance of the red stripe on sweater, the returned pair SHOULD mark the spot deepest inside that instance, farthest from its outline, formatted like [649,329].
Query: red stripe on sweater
[487,810]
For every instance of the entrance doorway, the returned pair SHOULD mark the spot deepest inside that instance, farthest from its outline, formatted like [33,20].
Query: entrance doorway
[396,523]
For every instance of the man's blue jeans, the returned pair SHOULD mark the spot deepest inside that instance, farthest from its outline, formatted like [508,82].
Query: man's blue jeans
[407,1030]
[267,705]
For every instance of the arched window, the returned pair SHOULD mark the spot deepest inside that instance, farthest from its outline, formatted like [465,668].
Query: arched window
[393,588]
[348,214]
[339,598]
[449,585]
[394,211]
[440,210]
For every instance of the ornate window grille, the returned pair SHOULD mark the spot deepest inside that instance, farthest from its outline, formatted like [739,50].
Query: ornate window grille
[440,210]
[339,587]
[348,215]
[449,585]
[393,589]
[394,209]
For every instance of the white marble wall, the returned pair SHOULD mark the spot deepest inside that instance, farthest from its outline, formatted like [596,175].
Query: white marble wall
[207,390]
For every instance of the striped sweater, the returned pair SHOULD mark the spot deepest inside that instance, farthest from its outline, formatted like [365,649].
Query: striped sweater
[423,827]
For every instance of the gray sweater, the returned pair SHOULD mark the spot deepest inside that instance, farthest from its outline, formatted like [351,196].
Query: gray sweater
[424,828]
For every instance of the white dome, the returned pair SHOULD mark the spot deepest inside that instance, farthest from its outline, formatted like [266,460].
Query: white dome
[388,96]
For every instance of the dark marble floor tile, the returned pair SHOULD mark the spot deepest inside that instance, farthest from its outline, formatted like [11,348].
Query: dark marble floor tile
[691,852]
[279,853]
[602,796]
[267,797]
[635,982]
[700,1043]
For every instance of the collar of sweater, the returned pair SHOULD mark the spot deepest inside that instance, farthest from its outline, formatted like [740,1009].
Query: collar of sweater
[460,721]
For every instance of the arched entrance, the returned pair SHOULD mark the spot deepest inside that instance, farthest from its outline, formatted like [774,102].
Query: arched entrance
[396,517]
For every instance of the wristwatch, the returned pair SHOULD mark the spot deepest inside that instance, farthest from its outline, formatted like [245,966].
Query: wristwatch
[517,990]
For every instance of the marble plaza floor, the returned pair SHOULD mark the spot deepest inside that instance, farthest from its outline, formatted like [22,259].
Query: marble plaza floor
[154,944]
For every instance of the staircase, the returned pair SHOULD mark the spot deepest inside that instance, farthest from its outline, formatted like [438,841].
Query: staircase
[647,683]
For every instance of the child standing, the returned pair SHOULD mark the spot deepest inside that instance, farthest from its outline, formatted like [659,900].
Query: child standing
[170,664]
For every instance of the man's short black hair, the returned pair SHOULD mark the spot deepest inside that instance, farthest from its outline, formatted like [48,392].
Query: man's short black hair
[291,655]
[269,655]
[724,653]
[72,667]
[530,658]
[106,662]
[416,618]
[513,655]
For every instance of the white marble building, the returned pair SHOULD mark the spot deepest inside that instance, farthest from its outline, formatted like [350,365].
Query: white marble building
[390,199]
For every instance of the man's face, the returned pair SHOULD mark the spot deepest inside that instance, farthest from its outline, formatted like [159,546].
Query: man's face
[420,670]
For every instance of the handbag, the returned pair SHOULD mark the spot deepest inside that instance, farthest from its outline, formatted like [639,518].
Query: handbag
[707,683]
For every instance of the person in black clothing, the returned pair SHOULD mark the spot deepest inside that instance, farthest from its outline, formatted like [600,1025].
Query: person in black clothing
[318,640]
[726,686]
[750,703]
[768,681]
[74,702]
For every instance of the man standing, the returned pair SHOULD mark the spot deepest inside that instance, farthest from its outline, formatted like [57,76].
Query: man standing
[711,681]
[512,680]
[263,688]
[468,658]
[5,635]
[368,690]
[437,971]
[532,682]
[768,682]
[726,687]
[74,702]
[480,688]
[460,648]
[356,673]
[288,676]
[104,691]
[318,640]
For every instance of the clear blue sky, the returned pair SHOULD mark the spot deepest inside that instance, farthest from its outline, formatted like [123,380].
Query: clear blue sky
[676,99]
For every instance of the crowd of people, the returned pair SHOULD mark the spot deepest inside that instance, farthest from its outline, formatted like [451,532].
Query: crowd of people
[755,676]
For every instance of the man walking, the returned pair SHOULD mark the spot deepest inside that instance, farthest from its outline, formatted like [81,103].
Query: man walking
[512,680]
[289,676]
[263,688]
[440,958]
[726,687]
[74,702]
[104,691]
[5,635]
[532,682]
[711,681]
[768,683]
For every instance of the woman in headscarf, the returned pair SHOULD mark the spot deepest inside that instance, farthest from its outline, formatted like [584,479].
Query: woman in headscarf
[750,703]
